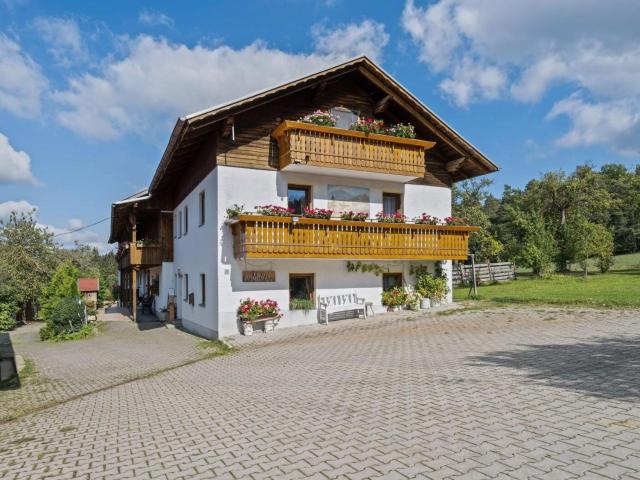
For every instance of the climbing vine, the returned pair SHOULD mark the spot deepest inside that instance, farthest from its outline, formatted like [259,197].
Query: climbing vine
[374,268]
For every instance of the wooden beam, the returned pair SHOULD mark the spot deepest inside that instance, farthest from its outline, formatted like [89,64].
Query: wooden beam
[318,91]
[382,105]
[454,165]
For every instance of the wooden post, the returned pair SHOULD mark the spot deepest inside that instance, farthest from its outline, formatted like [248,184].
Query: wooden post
[473,273]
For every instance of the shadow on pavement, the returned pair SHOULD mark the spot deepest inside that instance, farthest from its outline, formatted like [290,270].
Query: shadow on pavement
[9,379]
[607,367]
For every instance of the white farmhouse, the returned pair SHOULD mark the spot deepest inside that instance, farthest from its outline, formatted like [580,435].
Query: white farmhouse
[178,241]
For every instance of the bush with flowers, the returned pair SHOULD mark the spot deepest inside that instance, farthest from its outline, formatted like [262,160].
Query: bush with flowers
[396,297]
[274,210]
[372,125]
[454,221]
[390,217]
[369,125]
[251,310]
[425,219]
[354,216]
[320,117]
[404,130]
[317,213]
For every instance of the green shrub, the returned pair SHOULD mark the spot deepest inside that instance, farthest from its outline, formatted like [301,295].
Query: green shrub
[7,317]
[396,297]
[67,317]
[301,304]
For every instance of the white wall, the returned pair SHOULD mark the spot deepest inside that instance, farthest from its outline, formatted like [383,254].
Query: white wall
[250,187]
[196,253]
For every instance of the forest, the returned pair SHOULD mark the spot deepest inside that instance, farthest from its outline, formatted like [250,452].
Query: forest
[557,220]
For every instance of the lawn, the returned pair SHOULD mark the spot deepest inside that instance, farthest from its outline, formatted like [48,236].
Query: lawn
[619,288]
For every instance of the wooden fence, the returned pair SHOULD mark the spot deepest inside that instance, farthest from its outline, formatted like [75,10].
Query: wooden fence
[485,273]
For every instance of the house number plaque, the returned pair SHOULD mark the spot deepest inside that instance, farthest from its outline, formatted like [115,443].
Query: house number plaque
[258,276]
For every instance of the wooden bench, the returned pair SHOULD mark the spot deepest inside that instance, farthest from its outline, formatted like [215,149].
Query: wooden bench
[340,303]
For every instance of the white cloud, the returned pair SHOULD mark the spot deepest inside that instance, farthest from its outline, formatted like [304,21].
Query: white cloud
[21,81]
[487,49]
[20,206]
[615,123]
[85,237]
[154,19]
[15,166]
[63,38]
[157,81]
[351,40]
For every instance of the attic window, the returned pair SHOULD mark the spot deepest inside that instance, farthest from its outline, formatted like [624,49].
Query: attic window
[345,117]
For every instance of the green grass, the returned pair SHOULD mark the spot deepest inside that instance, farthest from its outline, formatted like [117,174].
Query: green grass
[620,288]
[630,261]
[214,348]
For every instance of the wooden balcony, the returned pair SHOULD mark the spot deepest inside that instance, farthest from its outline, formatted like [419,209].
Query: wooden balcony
[147,256]
[286,237]
[304,146]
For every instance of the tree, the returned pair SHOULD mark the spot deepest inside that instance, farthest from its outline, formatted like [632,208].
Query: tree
[27,259]
[63,284]
[472,202]
[585,240]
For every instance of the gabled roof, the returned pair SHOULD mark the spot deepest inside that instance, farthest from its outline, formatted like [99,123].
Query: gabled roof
[183,133]
[88,285]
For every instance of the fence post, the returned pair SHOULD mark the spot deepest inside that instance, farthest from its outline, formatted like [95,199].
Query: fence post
[473,273]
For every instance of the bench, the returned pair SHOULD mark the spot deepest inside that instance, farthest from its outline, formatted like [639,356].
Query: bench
[340,303]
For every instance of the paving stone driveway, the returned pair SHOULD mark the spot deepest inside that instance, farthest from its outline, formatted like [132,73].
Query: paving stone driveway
[121,351]
[505,393]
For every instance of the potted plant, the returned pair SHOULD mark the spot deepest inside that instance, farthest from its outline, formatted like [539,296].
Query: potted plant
[320,117]
[305,304]
[439,290]
[425,219]
[317,213]
[274,210]
[354,216]
[394,299]
[251,311]
[414,301]
[235,210]
[369,125]
[390,217]
[423,284]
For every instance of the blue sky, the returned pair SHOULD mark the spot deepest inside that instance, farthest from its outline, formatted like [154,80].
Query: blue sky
[89,91]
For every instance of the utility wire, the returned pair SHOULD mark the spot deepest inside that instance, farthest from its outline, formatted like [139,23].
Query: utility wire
[82,228]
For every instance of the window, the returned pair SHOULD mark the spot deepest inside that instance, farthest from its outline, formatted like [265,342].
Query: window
[175,225]
[391,203]
[344,117]
[391,280]
[186,287]
[299,198]
[179,224]
[186,220]
[301,291]
[202,289]
[201,201]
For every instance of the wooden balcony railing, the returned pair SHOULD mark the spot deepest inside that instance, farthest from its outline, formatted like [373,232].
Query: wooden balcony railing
[145,256]
[286,237]
[314,145]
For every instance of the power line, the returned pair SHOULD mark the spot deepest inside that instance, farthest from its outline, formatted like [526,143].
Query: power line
[82,228]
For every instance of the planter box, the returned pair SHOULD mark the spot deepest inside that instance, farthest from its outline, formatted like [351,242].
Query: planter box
[246,325]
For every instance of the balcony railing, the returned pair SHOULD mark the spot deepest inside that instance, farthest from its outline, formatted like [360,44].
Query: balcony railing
[286,237]
[314,145]
[143,256]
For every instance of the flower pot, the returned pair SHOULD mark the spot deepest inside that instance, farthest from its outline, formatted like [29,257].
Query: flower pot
[394,309]
[269,325]
[435,303]
[247,328]
[425,303]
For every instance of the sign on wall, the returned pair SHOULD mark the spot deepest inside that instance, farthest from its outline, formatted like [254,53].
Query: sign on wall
[258,276]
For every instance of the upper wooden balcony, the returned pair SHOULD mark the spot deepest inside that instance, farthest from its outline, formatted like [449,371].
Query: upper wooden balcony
[293,237]
[142,256]
[305,147]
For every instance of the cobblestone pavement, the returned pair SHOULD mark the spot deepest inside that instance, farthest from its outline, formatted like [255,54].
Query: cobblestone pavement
[122,351]
[505,393]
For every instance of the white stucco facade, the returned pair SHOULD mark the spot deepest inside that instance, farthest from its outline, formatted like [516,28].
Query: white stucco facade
[207,249]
